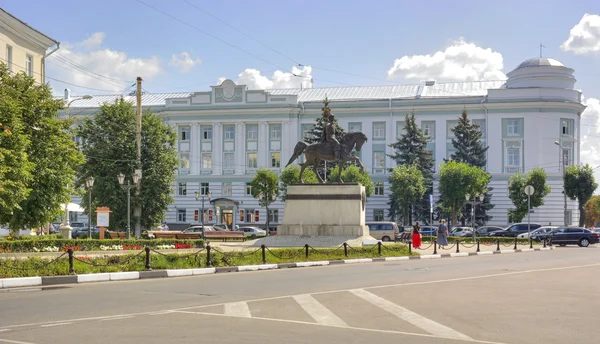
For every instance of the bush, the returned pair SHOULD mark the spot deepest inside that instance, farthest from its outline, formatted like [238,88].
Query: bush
[57,244]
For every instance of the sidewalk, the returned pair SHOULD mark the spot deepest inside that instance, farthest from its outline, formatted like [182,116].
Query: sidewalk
[427,248]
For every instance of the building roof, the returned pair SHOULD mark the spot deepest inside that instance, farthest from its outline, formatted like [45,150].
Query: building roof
[348,93]
[9,27]
[540,61]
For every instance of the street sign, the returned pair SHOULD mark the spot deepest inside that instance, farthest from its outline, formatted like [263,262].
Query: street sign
[529,190]
[532,211]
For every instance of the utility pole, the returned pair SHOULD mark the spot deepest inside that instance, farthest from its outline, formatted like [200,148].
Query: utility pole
[138,137]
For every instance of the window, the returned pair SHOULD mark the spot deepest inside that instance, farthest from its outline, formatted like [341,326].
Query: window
[378,130]
[181,215]
[513,157]
[566,156]
[449,126]
[204,189]
[184,133]
[248,189]
[273,215]
[252,160]
[379,189]
[9,57]
[29,65]
[251,132]
[207,133]
[400,129]
[249,215]
[566,127]
[182,189]
[378,214]
[276,159]
[512,128]
[428,129]
[206,161]
[379,160]
[185,160]
[481,126]
[227,189]
[228,161]
[73,216]
[306,128]
[354,127]
[229,132]
[275,131]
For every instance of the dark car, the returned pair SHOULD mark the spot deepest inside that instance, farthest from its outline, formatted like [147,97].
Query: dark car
[574,236]
[487,230]
[429,231]
[516,229]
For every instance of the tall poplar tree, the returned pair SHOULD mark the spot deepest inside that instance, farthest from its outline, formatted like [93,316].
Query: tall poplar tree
[470,150]
[411,148]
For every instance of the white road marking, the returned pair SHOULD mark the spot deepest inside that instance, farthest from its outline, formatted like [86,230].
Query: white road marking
[57,324]
[344,327]
[411,317]
[117,318]
[13,341]
[239,309]
[317,311]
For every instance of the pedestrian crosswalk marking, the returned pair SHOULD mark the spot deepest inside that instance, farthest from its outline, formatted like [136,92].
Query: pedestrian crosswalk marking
[411,317]
[238,309]
[317,311]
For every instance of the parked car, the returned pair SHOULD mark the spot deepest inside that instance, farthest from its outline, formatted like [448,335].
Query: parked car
[383,230]
[487,230]
[541,230]
[574,236]
[4,231]
[429,231]
[198,229]
[461,231]
[516,229]
[82,232]
[253,232]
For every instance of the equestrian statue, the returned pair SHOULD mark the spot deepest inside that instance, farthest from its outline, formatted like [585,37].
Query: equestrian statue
[330,150]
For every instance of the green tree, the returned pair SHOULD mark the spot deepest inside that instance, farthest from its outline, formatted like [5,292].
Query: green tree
[352,174]
[265,188]
[39,158]
[592,212]
[516,192]
[411,148]
[290,175]
[315,134]
[470,150]
[458,179]
[580,184]
[108,142]
[407,187]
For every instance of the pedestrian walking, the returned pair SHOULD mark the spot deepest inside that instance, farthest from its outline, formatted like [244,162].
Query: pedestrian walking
[416,235]
[442,234]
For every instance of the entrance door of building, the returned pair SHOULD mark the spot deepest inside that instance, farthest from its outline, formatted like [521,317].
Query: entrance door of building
[227,217]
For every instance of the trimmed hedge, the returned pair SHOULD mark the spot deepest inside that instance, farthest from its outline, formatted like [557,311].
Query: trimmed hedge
[11,246]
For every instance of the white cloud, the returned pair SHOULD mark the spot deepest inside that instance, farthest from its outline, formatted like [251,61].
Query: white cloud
[461,61]
[590,142]
[184,62]
[255,80]
[89,65]
[585,36]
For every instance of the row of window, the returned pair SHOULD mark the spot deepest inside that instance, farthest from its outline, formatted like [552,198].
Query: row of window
[206,132]
[229,160]
[28,61]
[248,216]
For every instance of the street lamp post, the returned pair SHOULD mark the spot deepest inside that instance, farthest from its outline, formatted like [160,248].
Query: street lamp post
[208,194]
[562,166]
[89,182]
[137,175]
[529,190]
[473,203]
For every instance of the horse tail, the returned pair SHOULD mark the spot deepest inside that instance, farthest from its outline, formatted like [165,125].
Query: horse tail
[300,146]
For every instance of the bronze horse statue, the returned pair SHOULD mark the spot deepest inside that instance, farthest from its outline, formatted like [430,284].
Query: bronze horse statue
[324,151]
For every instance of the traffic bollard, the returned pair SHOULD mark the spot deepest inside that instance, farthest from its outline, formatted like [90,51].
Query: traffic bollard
[208,258]
[264,255]
[71,267]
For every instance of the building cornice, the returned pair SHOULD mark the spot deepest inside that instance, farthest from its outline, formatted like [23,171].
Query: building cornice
[19,28]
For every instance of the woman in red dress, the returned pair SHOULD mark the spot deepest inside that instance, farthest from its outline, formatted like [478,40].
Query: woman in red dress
[416,235]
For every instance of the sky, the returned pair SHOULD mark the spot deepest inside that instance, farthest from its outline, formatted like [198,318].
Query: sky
[190,45]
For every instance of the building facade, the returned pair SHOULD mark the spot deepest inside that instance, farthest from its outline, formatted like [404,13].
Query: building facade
[532,119]
[23,48]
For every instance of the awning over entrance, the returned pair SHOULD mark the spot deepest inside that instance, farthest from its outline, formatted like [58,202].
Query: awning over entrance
[224,202]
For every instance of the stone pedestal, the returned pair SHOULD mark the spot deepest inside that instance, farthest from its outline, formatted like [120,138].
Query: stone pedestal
[331,210]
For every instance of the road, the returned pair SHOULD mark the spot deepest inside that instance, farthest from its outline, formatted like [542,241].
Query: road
[536,297]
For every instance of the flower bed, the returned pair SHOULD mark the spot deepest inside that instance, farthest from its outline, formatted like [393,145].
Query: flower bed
[58,245]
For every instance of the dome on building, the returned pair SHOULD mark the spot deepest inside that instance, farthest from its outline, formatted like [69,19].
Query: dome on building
[541,72]
[540,61]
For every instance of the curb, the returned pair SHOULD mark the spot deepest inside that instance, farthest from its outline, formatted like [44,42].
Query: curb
[135,275]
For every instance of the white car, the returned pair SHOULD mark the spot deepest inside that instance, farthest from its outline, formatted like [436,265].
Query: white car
[253,232]
[540,230]
[4,231]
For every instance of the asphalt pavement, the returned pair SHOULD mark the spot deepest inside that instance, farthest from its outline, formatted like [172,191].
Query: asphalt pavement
[532,297]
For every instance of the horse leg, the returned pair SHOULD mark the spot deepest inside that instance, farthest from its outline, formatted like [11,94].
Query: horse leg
[316,169]
[303,166]
[357,160]
[341,164]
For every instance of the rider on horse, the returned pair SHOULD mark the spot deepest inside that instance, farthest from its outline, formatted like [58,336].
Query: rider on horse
[328,135]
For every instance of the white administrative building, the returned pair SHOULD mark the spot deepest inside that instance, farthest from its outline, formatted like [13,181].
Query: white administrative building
[226,133]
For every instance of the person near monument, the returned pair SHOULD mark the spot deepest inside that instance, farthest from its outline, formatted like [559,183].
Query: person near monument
[416,235]
[442,234]
[329,136]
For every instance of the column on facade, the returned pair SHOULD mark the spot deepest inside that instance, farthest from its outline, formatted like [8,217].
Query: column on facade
[390,138]
[195,159]
[286,143]
[240,148]
[440,141]
[217,149]
[263,144]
